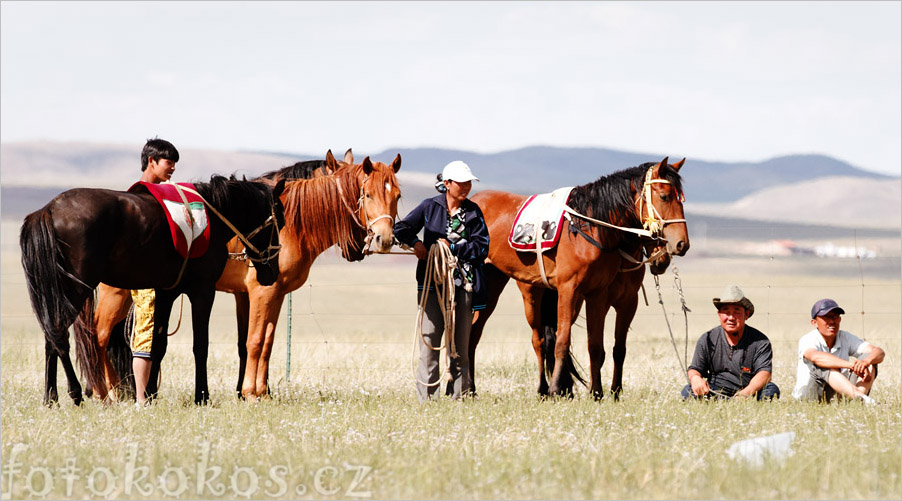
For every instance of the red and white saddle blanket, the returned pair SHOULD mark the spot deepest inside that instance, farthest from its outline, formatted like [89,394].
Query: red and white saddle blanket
[538,223]
[187,221]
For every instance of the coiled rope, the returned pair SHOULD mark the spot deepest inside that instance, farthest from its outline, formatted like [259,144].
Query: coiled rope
[440,266]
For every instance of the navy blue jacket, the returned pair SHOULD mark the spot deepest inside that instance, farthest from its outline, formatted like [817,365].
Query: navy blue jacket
[432,217]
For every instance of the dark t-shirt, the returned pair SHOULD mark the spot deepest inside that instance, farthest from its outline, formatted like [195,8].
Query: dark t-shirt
[731,368]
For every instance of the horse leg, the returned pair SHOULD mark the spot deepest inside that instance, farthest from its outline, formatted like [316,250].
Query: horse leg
[242,311]
[71,378]
[568,301]
[532,298]
[162,310]
[596,311]
[201,306]
[626,311]
[111,308]
[495,282]
[51,395]
[273,310]
[265,303]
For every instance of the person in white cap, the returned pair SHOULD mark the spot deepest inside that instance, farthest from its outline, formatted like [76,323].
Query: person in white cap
[733,359]
[824,365]
[456,221]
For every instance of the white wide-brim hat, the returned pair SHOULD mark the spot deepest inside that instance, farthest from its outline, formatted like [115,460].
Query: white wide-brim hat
[732,294]
[458,171]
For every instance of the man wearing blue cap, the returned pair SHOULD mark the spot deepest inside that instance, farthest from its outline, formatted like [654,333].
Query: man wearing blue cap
[824,365]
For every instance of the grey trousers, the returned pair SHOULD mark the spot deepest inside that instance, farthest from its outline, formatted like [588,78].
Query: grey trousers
[433,329]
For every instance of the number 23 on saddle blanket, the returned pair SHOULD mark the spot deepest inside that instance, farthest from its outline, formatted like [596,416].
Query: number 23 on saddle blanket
[538,223]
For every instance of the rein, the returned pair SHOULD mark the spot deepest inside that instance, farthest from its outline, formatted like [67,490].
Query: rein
[679,286]
[271,250]
[652,225]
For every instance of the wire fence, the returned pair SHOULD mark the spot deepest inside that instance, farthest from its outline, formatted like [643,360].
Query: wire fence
[354,307]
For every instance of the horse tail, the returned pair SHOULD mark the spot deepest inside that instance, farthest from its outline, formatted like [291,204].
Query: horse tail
[120,352]
[570,371]
[87,349]
[42,259]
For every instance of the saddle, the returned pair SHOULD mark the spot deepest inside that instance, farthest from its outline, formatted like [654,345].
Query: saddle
[537,226]
[186,213]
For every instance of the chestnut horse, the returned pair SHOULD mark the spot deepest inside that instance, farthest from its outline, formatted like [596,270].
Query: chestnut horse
[611,215]
[86,236]
[351,205]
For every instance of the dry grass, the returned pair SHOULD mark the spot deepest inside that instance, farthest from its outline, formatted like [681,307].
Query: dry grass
[346,424]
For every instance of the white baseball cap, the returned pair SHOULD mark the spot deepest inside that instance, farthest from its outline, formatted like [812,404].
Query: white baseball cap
[458,171]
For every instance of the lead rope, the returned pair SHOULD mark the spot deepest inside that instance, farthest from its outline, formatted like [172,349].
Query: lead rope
[440,266]
[686,310]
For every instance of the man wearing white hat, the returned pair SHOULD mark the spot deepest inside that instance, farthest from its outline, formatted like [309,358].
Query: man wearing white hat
[824,366]
[732,359]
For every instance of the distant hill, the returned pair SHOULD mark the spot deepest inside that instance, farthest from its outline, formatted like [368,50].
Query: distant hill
[33,172]
[542,168]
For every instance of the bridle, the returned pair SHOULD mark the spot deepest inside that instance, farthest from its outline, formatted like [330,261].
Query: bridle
[654,223]
[366,223]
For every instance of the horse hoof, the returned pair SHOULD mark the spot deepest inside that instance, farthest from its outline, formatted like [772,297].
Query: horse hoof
[598,395]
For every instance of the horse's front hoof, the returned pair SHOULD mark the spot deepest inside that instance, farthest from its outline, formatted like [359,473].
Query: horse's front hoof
[598,395]
[201,398]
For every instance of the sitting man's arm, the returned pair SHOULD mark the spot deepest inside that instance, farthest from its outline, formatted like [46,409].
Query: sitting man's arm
[874,356]
[755,385]
[698,383]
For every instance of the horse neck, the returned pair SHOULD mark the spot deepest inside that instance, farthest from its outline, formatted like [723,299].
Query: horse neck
[235,205]
[609,199]
[319,215]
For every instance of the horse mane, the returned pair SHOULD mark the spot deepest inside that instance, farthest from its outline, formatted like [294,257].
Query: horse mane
[317,212]
[611,198]
[234,196]
[300,170]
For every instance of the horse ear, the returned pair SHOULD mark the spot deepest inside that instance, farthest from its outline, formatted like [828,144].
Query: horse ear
[656,172]
[367,166]
[679,164]
[396,163]
[349,156]
[280,187]
[331,164]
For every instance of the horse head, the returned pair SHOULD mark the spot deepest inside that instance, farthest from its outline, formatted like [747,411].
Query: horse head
[379,194]
[264,240]
[661,205]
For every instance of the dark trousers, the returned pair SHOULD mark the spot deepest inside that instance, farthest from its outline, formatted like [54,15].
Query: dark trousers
[770,391]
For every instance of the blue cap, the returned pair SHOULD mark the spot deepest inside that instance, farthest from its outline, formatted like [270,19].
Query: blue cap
[825,306]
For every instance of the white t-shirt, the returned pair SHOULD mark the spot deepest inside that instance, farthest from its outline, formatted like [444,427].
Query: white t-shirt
[846,345]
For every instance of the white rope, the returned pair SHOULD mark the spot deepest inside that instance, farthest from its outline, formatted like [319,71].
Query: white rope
[440,266]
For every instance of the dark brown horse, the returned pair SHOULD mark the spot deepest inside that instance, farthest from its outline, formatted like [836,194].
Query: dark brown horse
[611,216]
[87,236]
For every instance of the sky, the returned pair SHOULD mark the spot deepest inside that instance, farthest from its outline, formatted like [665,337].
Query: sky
[717,81]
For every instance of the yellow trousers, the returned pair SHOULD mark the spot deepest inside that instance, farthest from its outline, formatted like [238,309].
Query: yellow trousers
[144,300]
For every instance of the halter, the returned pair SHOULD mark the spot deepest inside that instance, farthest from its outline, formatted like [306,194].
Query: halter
[367,224]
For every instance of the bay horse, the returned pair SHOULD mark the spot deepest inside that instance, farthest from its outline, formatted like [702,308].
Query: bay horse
[86,236]
[623,298]
[608,217]
[351,205]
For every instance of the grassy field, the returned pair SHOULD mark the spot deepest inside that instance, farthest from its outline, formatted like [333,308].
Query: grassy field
[346,424]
